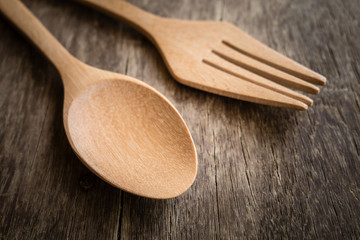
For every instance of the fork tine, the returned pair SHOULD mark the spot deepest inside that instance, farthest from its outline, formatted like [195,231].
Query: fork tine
[264,70]
[251,47]
[221,64]
[238,88]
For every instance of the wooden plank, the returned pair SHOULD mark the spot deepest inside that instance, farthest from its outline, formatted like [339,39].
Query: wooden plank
[46,193]
[194,214]
[297,172]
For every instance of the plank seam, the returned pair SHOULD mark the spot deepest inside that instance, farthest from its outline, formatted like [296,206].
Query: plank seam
[216,184]
[122,192]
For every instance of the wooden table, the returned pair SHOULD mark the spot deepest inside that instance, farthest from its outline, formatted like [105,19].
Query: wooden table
[263,172]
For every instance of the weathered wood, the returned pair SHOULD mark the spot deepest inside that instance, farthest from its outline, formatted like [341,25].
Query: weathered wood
[263,172]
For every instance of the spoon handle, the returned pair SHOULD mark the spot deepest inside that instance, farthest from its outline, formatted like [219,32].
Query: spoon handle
[22,18]
[143,21]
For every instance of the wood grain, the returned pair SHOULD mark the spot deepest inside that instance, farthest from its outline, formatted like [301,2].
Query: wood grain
[263,172]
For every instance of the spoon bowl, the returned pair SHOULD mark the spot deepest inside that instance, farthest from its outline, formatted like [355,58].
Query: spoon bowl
[133,138]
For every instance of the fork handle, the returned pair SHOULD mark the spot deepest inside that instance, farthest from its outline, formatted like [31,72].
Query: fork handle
[143,21]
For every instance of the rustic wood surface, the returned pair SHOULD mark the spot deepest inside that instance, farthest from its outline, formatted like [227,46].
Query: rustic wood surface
[263,172]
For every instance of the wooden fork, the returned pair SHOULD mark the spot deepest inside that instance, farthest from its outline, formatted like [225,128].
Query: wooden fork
[220,58]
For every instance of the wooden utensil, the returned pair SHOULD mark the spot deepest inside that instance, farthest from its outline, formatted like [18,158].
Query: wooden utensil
[220,58]
[123,130]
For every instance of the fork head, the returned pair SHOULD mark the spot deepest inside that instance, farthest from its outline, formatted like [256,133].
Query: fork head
[220,58]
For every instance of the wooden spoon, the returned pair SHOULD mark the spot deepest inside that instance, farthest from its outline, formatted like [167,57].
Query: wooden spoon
[123,130]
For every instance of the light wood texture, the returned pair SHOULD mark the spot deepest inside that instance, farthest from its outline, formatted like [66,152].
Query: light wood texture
[122,129]
[263,173]
[220,58]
